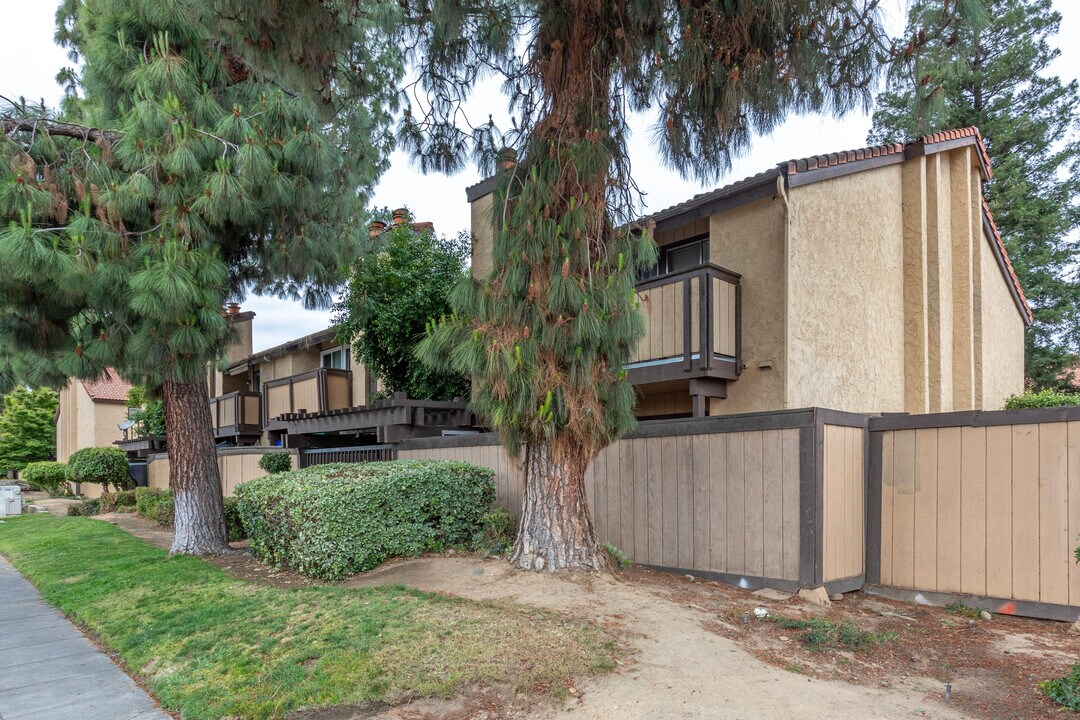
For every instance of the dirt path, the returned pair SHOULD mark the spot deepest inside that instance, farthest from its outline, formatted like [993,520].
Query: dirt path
[694,658]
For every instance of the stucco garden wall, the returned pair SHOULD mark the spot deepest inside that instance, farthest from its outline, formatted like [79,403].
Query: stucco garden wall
[483,234]
[1002,337]
[845,293]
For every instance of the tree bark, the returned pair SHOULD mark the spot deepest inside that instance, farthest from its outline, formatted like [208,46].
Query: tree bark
[199,518]
[556,531]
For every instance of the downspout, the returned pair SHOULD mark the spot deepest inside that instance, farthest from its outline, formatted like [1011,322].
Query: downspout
[781,192]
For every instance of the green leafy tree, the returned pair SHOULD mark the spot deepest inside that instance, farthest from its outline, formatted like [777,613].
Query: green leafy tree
[182,175]
[996,78]
[102,465]
[398,287]
[27,427]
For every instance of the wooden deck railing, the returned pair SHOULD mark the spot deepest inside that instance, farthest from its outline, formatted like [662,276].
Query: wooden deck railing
[693,322]
[236,413]
[319,390]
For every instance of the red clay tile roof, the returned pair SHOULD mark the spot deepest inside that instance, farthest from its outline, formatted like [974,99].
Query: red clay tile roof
[818,162]
[107,388]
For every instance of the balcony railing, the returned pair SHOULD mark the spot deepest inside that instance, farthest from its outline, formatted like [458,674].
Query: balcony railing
[693,320]
[236,413]
[319,390]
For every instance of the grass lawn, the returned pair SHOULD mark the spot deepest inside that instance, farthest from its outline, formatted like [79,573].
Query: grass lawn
[212,646]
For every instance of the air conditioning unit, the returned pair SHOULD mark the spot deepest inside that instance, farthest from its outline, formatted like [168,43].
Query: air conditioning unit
[10,500]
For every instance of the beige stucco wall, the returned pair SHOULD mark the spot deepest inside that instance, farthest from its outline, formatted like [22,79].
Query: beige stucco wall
[749,240]
[483,234]
[67,426]
[845,294]
[1002,337]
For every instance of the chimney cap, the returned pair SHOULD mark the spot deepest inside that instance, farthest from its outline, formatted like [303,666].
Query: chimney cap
[507,158]
[376,228]
[233,308]
[400,216]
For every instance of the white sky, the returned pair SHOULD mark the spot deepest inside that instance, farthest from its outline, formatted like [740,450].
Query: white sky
[29,61]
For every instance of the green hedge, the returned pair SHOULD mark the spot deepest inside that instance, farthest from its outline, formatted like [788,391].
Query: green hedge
[276,462]
[111,502]
[159,506]
[156,505]
[1040,399]
[51,477]
[104,465]
[330,521]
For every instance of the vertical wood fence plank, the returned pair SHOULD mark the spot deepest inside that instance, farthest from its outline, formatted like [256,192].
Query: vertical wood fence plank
[925,575]
[701,483]
[718,493]
[755,504]
[973,510]
[888,480]
[791,504]
[903,549]
[1074,507]
[656,500]
[772,455]
[641,500]
[736,505]
[626,495]
[1055,553]
[671,503]
[1025,527]
[685,490]
[999,511]
[948,510]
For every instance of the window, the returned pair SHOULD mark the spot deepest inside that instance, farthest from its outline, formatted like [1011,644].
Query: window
[337,358]
[678,257]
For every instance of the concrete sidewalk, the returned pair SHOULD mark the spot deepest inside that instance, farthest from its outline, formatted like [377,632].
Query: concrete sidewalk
[49,670]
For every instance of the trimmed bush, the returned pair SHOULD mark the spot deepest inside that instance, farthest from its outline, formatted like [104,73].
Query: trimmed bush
[330,521]
[1040,399]
[497,531]
[156,505]
[103,465]
[50,477]
[276,462]
[121,500]
[233,525]
[86,508]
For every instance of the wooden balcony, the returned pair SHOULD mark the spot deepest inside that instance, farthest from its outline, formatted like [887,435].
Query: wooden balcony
[693,320]
[315,391]
[236,415]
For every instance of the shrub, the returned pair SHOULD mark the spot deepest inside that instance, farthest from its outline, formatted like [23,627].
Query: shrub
[156,505]
[104,465]
[51,477]
[86,508]
[497,530]
[330,521]
[276,462]
[233,525]
[111,502]
[1040,399]
[618,556]
[1065,690]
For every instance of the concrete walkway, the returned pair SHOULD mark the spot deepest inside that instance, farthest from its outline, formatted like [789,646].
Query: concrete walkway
[49,670]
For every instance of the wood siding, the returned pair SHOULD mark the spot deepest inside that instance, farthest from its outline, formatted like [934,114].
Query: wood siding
[989,510]
[843,507]
[718,502]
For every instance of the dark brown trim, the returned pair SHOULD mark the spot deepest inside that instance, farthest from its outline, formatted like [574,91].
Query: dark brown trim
[819,499]
[729,276]
[482,188]
[746,582]
[688,349]
[873,508]
[740,193]
[451,441]
[975,418]
[842,417]
[1000,606]
[807,504]
[673,370]
[988,230]
[845,585]
[738,330]
[806,177]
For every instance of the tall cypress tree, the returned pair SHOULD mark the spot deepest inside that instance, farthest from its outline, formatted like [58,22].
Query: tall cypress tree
[996,78]
[182,175]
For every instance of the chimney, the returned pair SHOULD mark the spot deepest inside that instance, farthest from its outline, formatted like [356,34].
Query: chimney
[507,158]
[376,228]
[400,216]
[232,309]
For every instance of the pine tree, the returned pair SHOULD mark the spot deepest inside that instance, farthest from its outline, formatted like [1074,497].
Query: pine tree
[547,334]
[181,176]
[27,427]
[399,285]
[996,78]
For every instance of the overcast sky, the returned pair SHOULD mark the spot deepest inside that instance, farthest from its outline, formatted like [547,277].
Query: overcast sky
[29,61]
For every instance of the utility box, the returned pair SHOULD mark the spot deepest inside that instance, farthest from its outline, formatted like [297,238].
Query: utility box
[10,500]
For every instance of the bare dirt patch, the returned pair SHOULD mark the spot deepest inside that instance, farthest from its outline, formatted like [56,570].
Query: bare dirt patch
[692,656]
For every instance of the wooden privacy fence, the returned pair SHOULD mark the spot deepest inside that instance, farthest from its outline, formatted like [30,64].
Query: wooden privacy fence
[765,499]
[983,505]
[236,465]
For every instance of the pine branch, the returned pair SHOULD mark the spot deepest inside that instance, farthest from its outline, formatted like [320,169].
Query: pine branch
[57,129]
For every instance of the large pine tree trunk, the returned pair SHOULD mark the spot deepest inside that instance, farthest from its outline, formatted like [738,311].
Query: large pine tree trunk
[199,524]
[556,530]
